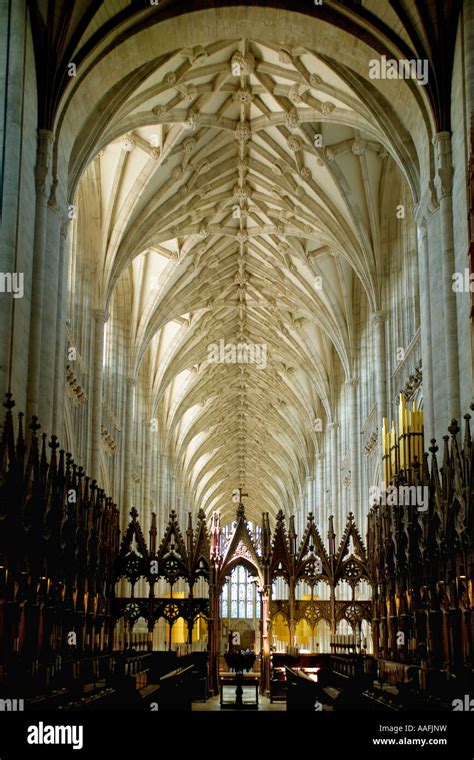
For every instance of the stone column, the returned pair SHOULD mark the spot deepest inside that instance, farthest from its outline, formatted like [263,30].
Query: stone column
[167,487]
[468,18]
[159,496]
[426,331]
[50,308]
[314,491]
[309,496]
[128,440]
[356,505]
[467,15]
[328,507]
[163,505]
[100,318]
[334,488]
[320,490]
[147,476]
[38,313]
[378,323]
[173,495]
[60,354]
[17,218]
[444,186]
[155,469]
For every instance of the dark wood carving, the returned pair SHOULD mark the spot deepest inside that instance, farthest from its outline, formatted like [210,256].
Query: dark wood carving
[422,561]
[61,558]
[59,541]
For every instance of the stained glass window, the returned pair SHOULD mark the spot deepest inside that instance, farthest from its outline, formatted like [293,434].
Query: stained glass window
[240,595]
[240,598]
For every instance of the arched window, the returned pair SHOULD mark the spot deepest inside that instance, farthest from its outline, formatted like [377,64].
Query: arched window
[239,596]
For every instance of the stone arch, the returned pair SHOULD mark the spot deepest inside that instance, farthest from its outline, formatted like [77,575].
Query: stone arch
[78,139]
[234,562]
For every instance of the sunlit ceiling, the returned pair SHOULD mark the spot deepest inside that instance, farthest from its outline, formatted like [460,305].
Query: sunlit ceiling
[240,185]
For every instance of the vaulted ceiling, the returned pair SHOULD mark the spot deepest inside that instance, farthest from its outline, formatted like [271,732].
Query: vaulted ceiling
[244,214]
[237,197]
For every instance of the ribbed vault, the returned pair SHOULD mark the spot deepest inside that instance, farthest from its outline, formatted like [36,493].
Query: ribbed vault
[240,195]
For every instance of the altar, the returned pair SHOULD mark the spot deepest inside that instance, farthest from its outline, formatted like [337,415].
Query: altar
[241,681]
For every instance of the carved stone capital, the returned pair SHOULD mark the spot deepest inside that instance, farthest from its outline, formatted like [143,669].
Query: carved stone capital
[359,147]
[100,315]
[378,317]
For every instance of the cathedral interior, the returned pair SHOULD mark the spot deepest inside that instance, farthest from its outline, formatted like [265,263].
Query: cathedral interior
[236,356]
